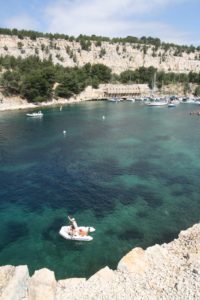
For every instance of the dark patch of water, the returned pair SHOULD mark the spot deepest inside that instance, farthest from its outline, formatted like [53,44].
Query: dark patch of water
[13,231]
[142,214]
[166,236]
[163,137]
[144,168]
[153,199]
[131,234]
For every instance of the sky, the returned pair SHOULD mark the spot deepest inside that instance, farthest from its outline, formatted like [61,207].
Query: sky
[174,21]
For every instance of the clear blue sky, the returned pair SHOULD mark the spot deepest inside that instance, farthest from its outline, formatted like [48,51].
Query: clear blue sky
[175,21]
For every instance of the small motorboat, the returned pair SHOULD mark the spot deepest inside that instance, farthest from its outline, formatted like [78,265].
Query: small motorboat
[35,114]
[114,99]
[80,234]
[173,103]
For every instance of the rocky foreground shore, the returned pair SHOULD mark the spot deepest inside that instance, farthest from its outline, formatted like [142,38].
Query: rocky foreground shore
[170,271]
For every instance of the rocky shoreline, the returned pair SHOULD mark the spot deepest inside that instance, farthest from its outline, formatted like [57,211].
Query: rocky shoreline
[168,271]
[104,91]
[16,103]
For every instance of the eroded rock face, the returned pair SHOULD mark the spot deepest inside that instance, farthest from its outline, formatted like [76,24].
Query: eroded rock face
[103,274]
[6,273]
[68,287]
[169,271]
[42,285]
[13,282]
[117,56]
[134,261]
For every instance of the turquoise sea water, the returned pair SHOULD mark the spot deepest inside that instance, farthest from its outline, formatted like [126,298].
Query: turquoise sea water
[133,175]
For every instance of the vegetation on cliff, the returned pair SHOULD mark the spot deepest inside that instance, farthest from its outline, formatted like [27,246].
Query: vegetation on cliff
[85,40]
[146,75]
[35,80]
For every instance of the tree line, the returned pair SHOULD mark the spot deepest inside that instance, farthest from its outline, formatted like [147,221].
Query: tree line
[38,81]
[85,40]
[147,75]
[160,78]
[35,80]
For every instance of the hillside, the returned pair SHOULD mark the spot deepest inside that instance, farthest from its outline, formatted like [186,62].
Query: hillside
[119,56]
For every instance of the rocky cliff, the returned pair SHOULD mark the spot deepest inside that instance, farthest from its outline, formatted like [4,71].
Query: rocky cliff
[169,271]
[118,56]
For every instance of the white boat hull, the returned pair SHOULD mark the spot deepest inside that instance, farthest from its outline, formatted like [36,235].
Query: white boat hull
[81,235]
[156,103]
[38,114]
[130,99]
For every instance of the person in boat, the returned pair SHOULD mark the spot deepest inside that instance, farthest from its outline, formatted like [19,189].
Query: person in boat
[74,226]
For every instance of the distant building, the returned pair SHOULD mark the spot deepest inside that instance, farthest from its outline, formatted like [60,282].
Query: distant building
[125,91]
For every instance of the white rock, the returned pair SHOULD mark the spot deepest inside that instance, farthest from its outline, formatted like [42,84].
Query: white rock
[105,274]
[15,282]
[42,285]
[135,261]
[127,57]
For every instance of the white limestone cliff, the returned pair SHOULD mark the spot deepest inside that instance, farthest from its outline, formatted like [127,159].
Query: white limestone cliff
[119,57]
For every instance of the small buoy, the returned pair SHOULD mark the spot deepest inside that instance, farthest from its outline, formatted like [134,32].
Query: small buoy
[64,132]
[103,117]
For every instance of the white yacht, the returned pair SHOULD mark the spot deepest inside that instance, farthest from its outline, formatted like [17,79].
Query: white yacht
[156,103]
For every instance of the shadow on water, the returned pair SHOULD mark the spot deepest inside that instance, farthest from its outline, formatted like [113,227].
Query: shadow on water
[153,199]
[13,231]
[144,169]
[166,237]
[142,214]
[130,234]
[50,230]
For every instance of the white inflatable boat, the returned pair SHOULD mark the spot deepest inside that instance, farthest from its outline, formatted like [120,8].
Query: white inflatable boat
[35,114]
[80,234]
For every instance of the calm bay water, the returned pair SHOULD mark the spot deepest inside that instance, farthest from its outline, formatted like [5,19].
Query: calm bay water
[133,175]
